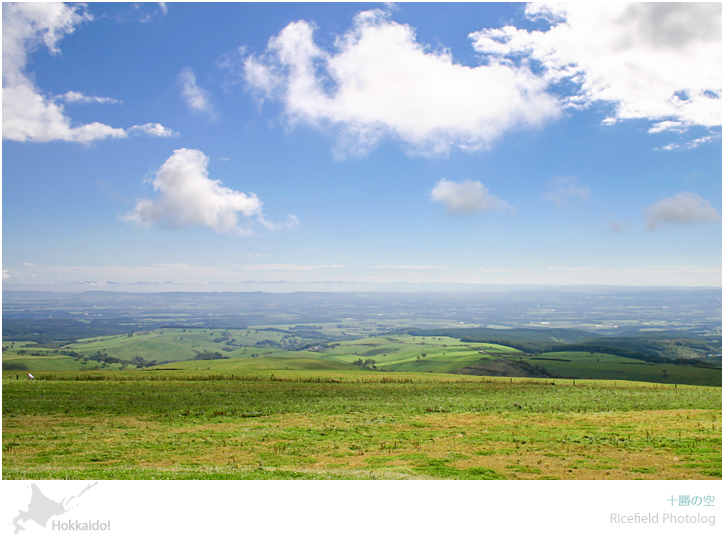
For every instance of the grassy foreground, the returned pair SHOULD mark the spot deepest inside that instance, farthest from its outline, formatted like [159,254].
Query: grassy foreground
[354,425]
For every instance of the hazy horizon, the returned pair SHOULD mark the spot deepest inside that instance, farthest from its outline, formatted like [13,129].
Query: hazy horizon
[282,287]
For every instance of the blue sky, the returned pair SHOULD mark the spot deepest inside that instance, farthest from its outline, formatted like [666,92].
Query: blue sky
[197,146]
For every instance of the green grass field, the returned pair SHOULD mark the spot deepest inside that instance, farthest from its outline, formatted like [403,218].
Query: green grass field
[390,353]
[33,359]
[602,366]
[272,410]
[334,424]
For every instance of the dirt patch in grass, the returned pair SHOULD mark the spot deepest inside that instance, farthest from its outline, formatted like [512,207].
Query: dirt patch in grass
[504,368]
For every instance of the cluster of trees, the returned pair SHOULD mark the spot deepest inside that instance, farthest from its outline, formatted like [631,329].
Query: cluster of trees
[366,363]
[61,331]
[208,356]
[268,344]
[100,356]
[225,337]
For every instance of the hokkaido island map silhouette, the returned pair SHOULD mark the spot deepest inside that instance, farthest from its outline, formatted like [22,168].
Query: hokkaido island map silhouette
[41,508]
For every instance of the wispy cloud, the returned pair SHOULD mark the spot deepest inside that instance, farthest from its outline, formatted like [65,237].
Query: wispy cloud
[692,143]
[379,81]
[664,126]
[195,97]
[682,208]
[144,12]
[168,274]
[77,97]
[412,267]
[291,267]
[463,197]
[566,190]
[28,115]
[187,197]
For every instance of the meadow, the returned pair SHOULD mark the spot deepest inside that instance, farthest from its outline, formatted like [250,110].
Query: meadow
[353,424]
[281,347]
[345,387]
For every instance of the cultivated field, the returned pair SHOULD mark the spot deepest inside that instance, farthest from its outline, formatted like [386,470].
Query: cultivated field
[279,348]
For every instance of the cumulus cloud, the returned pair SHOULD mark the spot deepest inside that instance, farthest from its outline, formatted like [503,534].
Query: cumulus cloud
[379,81]
[152,129]
[682,208]
[655,61]
[28,115]
[565,190]
[196,98]
[462,197]
[187,197]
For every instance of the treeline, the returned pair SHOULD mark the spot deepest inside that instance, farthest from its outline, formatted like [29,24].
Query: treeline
[526,340]
[608,350]
[537,341]
[639,347]
[208,356]
[100,356]
[62,331]
[232,323]
[526,347]
[512,336]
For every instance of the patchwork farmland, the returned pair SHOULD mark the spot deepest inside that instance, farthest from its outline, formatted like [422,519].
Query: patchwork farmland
[359,398]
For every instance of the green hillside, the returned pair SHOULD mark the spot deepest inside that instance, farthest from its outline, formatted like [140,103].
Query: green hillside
[554,354]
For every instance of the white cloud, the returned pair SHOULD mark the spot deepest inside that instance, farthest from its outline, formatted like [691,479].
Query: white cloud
[564,190]
[663,126]
[143,11]
[655,61]
[196,98]
[682,208]
[77,97]
[692,143]
[466,197]
[379,81]
[152,129]
[187,197]
[28,115]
